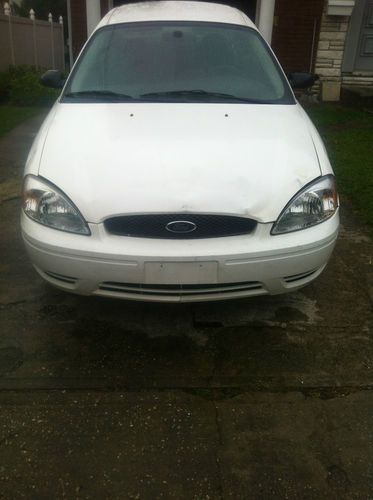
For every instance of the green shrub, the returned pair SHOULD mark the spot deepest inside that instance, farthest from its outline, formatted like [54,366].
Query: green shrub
[20,86]
[4,86]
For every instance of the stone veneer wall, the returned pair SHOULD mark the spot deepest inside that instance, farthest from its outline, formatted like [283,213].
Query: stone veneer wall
[333,32]
[330,50]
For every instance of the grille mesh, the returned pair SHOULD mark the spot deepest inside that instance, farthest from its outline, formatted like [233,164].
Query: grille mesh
[180,290]
[154,226]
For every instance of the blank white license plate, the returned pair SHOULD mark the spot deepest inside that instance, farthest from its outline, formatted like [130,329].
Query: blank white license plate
[181,273]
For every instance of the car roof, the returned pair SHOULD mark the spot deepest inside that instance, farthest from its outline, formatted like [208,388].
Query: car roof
[171,10]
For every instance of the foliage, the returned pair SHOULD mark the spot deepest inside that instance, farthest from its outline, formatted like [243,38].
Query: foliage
[20,86]
[348,132]
[41,8]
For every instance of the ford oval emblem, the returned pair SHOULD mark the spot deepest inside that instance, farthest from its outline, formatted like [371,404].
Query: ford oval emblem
[181,226]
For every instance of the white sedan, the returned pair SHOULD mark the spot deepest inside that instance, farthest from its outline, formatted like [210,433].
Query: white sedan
[177,164]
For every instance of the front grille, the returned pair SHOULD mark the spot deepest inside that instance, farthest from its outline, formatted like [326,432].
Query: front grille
[154,226]
[178,290]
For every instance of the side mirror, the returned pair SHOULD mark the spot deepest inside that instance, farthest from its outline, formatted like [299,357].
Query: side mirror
[302,80]
[53,79]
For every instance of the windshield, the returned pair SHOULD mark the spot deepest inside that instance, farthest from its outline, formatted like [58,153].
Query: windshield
[177,62]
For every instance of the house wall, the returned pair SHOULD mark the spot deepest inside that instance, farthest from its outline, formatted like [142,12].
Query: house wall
[331,46]
[330,54]
[78,25]
[79,22]
[356,79]
[295,33]
[105,7]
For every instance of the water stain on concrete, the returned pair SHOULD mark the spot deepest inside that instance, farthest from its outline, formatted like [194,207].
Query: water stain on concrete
[11,358]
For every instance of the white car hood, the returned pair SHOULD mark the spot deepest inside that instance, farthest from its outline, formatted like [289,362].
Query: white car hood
[238,159]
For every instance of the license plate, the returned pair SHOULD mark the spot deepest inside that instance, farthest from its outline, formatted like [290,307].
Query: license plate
[181,273]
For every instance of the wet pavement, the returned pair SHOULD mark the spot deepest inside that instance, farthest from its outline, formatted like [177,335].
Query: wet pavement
[267,397]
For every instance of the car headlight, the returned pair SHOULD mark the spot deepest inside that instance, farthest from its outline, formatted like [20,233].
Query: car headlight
[46,204]
[313,204]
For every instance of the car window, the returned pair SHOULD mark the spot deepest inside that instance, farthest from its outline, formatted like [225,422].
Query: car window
[178,61]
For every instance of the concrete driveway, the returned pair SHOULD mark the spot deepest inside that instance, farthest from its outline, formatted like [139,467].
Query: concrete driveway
[253,399]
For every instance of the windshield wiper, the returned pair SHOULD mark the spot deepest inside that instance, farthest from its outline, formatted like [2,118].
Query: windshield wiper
[200,93]
[106,95]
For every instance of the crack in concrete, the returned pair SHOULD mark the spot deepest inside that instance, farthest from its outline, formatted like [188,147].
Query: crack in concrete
[4,305]
[217,459]
[7,438]
[205,392]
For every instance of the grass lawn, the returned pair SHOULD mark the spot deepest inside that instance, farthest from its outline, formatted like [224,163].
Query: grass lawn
[348,135]
[11,116]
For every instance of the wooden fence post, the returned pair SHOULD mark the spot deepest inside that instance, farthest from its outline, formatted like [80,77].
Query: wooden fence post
[50,19]
[32,17]
[60,19]
[7,12]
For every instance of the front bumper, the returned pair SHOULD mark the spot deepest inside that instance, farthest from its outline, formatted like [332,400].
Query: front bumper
[179,270]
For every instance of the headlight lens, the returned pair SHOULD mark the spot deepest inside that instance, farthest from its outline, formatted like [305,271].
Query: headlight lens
[45,204]
[315,203]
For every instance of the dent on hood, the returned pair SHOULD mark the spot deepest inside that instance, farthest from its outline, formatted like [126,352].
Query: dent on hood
[175,158]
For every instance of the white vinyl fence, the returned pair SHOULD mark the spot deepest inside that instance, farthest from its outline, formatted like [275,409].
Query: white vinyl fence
[31,41]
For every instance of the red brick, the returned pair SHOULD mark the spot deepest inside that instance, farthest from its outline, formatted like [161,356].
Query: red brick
[293,32]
